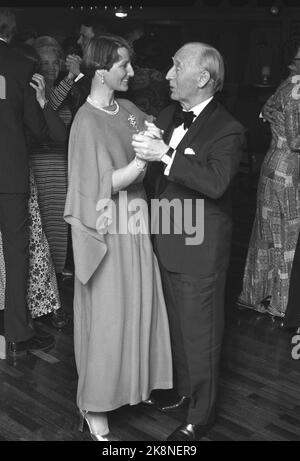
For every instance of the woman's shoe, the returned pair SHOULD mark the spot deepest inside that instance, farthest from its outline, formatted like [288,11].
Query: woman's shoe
[94,434]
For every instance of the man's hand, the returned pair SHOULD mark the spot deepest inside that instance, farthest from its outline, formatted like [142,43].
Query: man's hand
[39,89]
[148,148]
[73,65]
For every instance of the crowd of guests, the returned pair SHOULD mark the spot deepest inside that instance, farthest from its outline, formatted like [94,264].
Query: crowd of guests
[148,312]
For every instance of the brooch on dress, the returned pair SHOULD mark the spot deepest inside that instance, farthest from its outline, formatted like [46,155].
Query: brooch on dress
[133,122]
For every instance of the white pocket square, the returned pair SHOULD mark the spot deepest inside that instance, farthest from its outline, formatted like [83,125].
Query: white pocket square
[189,151]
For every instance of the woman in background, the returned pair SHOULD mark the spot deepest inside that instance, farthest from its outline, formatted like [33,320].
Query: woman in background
[49,159]
[277,221]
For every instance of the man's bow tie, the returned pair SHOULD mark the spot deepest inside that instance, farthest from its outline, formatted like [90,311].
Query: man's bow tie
[186,118]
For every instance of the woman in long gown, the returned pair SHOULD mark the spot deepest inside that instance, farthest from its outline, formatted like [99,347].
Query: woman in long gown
[121,332]
[277,221]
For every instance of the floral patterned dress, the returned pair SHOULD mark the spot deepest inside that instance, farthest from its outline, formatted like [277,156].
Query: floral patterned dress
[277,221]
[42,293]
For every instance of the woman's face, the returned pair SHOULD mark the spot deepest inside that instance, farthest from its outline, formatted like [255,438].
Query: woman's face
[295,64]
[50,64]
[118,76]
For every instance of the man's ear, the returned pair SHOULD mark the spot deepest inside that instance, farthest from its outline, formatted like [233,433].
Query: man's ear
[203,78]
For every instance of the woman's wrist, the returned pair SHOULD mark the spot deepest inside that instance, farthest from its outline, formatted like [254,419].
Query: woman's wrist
[43,103]
[139,163]
[70,77]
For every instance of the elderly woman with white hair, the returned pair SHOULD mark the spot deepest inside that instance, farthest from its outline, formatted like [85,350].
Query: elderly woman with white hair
[49,160]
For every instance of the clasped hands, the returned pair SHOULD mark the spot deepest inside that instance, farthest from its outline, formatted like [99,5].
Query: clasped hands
[73,62]
[149,145]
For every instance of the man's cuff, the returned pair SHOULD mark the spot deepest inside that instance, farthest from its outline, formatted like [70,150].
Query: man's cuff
[79,76]
[165,159]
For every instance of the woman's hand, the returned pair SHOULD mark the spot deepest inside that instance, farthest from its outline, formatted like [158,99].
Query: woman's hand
[269,112]
[153,131]
[73,65]
[39,87]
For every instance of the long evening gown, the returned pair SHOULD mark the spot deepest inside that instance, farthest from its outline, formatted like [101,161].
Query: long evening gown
[121,332]
[277,221]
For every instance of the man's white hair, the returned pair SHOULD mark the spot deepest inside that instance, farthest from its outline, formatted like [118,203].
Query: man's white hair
[207,57]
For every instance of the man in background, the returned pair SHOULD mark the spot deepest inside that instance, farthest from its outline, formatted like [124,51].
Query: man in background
[18,108]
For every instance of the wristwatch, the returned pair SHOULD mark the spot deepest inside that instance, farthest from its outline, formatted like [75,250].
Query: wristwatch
[167,156]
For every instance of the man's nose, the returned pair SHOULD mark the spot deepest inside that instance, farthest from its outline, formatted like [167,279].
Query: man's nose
[170,73]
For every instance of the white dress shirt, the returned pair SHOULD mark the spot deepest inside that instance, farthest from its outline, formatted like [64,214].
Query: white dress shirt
[179,133]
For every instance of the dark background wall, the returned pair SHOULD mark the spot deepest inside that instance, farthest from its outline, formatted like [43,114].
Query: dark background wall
[249,33]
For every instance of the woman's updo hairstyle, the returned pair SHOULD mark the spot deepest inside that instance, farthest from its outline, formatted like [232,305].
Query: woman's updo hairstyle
[102,52]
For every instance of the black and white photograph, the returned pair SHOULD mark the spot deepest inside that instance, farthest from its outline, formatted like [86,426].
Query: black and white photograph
[150,223]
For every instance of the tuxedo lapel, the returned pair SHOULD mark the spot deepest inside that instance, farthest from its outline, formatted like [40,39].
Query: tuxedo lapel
[169,131]
[168,126]
[197,126]
[165,122]
[191,133]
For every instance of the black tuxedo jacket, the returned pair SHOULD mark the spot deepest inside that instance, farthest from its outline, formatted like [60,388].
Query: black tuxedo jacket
[19,108]
[217,140]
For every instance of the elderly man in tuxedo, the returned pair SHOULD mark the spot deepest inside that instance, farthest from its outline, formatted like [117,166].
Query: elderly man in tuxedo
[19,108]
[194,162]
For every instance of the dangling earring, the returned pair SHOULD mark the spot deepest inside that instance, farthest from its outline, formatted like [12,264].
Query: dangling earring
[102,79]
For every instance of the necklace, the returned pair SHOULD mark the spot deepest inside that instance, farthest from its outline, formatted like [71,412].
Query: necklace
[110,112]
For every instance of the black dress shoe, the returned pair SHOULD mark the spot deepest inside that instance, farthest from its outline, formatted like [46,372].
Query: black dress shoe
[36,343]
[174,406]
[59,319]
[188,432]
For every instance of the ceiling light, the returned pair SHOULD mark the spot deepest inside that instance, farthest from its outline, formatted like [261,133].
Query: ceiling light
[120,13]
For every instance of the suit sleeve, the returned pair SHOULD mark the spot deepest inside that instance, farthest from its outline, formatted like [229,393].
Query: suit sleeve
[42,123]
[80,92]
[213,177]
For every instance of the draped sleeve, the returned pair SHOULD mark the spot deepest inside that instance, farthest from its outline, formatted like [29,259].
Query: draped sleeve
[90,171]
